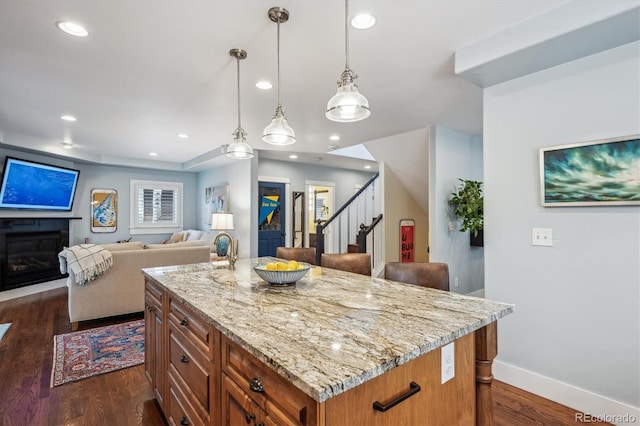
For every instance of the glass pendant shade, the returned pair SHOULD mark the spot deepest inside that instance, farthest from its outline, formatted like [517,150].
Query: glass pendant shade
[239,148]
[348,105]
[279,132]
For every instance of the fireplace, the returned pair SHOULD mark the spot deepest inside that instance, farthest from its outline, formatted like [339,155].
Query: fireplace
[29,250]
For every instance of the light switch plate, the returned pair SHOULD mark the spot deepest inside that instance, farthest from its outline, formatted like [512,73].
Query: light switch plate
[448,362]
[542,237]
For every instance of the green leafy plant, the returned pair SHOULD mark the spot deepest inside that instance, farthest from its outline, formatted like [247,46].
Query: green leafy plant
[469,204]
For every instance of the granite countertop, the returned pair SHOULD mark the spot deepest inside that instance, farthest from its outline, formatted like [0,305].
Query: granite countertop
[331,331]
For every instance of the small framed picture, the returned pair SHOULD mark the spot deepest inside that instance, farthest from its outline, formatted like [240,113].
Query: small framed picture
[104,210]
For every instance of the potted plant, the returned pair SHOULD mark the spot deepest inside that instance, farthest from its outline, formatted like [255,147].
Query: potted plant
[469,203]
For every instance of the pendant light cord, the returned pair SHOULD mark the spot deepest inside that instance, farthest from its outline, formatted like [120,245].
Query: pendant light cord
[346,33]
[278,50]
[238,72]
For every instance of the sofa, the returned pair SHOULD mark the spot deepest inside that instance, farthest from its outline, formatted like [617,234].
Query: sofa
[120,290]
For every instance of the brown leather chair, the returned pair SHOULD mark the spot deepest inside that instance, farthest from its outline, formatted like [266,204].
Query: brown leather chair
[301,254]
[433,275]
[360,263]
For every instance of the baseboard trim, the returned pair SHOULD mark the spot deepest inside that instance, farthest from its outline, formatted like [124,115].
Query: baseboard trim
[596,406]
[32,289]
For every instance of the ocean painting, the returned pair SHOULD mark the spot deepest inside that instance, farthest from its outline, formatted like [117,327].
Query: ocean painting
[605,172]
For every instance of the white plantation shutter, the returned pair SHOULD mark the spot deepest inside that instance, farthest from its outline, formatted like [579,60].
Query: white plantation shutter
[157,207]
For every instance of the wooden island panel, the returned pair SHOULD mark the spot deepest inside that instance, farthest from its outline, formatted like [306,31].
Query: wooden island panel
[451,403]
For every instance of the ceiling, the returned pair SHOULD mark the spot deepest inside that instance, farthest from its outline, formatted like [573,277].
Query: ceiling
[152,69]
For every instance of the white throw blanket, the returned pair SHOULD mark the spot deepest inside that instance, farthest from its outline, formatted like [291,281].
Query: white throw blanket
[86,261]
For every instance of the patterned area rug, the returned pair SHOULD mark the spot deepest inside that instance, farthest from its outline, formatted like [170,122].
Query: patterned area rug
[83,354]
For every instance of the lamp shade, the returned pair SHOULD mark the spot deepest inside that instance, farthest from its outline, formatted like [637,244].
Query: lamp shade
[239,149]
[222,221]
[348,105]
[279,132]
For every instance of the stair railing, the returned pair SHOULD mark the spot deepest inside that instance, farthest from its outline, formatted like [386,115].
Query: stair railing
[364,203]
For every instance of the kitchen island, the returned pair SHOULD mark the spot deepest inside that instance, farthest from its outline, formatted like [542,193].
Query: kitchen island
[224,347]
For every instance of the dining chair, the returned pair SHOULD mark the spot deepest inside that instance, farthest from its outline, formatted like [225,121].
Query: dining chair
[360,263]
[433,275]
[301,254]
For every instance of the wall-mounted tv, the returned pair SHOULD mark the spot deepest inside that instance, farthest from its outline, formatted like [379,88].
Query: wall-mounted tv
[37,186]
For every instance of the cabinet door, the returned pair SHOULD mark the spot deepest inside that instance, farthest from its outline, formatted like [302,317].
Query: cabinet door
[153,347]
[237,407]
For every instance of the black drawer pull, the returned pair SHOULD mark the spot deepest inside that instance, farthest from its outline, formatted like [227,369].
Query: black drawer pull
[414,388]
[184,321]
[184,421]
[248,417]
[184,358]
[256,385]
[260,424]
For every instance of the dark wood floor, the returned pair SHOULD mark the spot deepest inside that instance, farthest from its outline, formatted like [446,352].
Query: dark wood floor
[124,397]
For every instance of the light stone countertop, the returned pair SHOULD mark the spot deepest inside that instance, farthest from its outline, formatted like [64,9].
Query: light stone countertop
[333,330]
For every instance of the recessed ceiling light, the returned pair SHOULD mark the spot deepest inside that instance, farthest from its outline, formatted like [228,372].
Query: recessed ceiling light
[72,28]
[318,158]
[363,21]
[367,166]
[293,156]
[153,154]
[67,117]
[333,147]
[334,137]
[183,136]
[264,85]
[66,145]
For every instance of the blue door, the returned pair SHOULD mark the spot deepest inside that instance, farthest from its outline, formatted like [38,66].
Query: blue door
[271,224]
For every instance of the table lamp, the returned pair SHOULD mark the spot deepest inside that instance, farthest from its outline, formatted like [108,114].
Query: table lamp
[224,222]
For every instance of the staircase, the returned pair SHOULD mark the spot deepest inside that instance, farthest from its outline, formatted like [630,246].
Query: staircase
[353,227]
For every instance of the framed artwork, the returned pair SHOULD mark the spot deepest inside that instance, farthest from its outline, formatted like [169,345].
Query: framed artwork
[104,210]
[598,173]
[216,200]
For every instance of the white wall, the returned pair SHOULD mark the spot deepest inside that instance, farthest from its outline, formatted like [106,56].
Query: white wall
[453,155]
[241,175]
[575,334]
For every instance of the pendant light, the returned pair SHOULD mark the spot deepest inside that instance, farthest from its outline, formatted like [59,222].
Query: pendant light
[239,148]
[348,104]
[279,132]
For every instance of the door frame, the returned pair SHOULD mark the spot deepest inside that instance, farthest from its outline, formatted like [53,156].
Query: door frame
[329,244]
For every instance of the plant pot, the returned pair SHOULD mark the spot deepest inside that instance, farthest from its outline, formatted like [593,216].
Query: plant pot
[477,241]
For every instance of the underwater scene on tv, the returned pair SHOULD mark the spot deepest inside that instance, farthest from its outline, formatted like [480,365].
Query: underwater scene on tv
[28,186]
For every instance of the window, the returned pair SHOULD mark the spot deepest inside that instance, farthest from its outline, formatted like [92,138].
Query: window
[156,207]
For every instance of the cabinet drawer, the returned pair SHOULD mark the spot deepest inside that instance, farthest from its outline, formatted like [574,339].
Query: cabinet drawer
[154,292]
[180,412]
[283,402]
[191,364]
[190,324]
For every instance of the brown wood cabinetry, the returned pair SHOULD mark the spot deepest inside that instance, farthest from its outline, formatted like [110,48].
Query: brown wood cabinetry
[153,358]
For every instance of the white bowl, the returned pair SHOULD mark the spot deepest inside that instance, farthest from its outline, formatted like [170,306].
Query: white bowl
[281,277]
